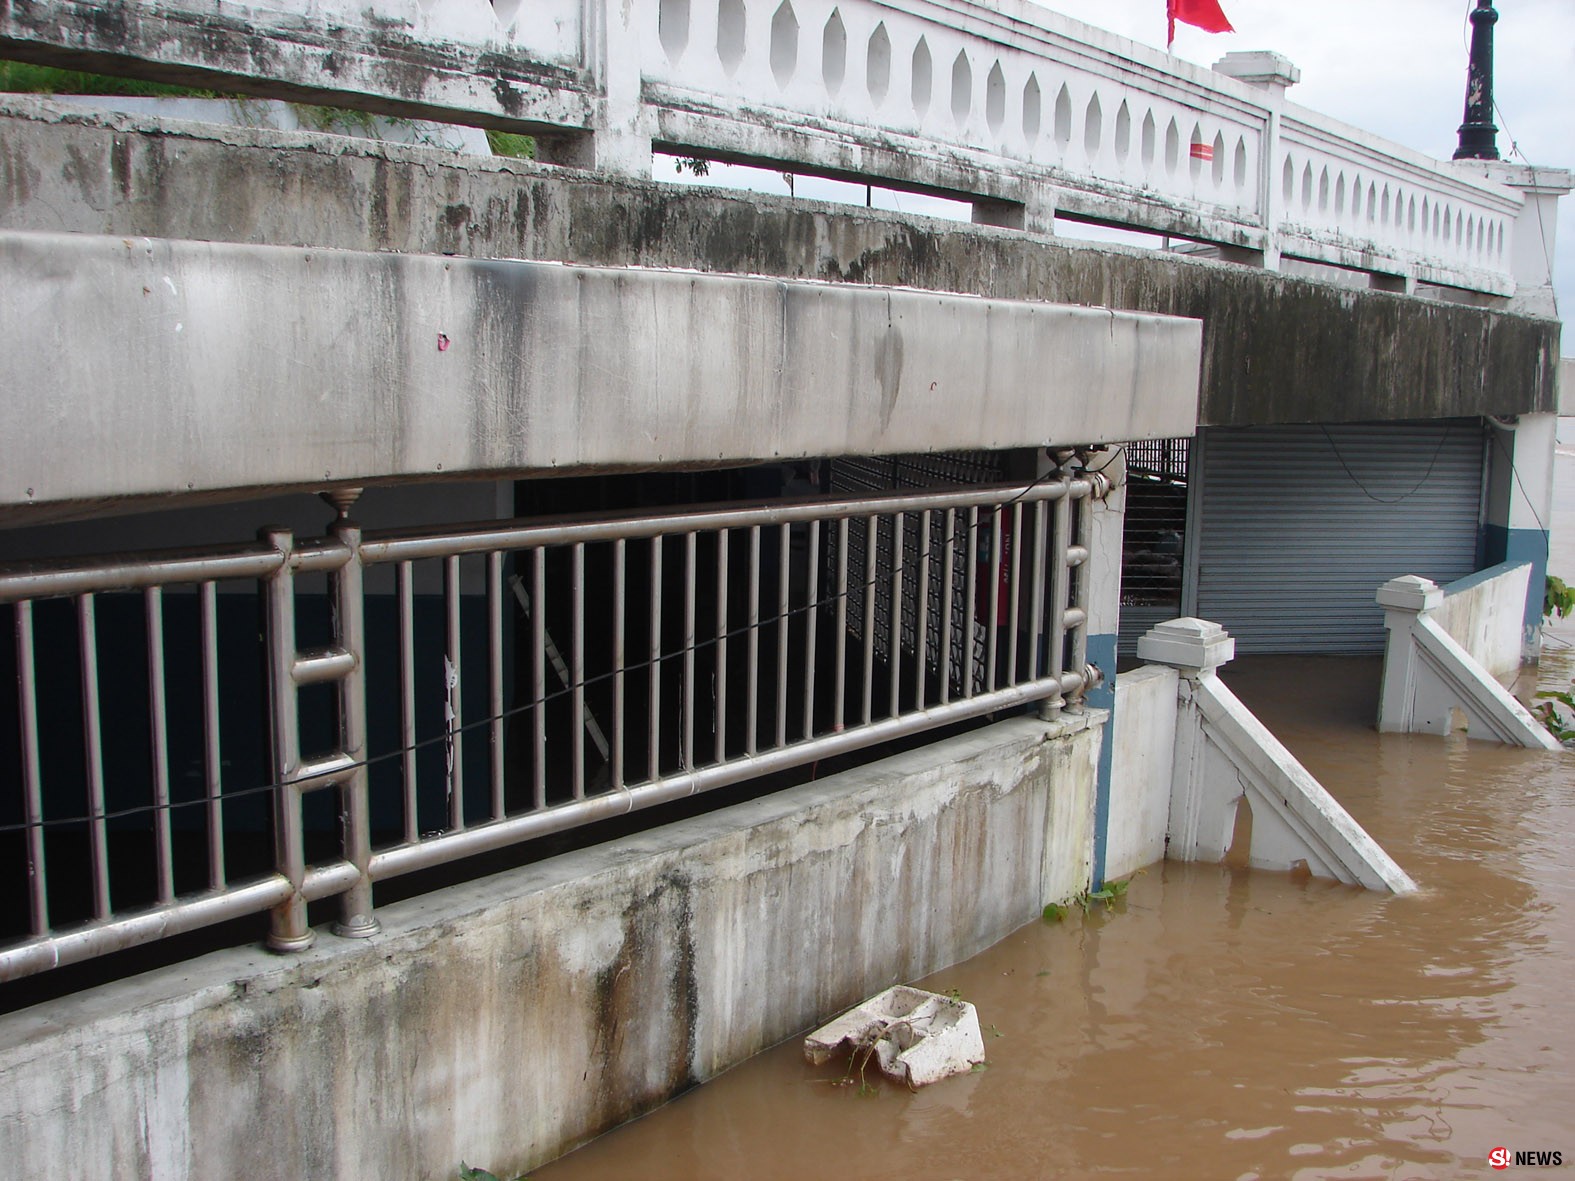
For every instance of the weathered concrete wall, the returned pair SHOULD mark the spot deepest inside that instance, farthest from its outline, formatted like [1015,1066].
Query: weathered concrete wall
[200,366]
[1483,615]
[508,1020]
[1276,349]
[1143,743]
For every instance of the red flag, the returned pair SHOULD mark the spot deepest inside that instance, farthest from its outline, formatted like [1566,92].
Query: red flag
[1205,14]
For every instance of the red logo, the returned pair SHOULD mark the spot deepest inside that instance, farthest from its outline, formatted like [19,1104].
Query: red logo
[1499,1158]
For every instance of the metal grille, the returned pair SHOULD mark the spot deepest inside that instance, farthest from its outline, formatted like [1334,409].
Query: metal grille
[952,582]
[558,673]
[1152,546]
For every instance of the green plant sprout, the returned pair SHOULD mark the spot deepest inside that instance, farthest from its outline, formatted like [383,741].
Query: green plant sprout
[1107,893]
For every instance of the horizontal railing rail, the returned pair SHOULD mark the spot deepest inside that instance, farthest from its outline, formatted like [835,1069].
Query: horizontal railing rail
[1021,110]
[482,686]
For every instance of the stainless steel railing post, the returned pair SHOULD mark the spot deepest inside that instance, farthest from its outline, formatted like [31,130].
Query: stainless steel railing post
[356,920]
[288,929]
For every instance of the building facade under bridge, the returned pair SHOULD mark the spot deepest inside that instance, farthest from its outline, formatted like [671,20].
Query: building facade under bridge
[401,543]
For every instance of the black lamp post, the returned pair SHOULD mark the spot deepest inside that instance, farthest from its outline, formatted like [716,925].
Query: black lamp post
[1478,136]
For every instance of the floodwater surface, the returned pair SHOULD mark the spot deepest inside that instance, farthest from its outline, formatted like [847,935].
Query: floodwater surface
[1232,1024]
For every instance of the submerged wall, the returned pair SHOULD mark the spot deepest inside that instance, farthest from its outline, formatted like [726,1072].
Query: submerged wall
[509,1020]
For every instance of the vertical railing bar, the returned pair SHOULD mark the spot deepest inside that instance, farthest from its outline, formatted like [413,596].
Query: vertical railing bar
[992,597]
[1081,583]
[158,727]
[1014,584]
[538,687]
[784,548]
[689,652]
[356,920]
[871,539]
[93,743]
[811,620]
[1036,602]
[948,572]
[654,715]
[288,929]
[752,701]
[453,673]
[404,580]
[577,663]
[1060,587]
[719,689]
[970,598]
[495,678]
[620,607]
[212,775]
[898,521]
[32,779]
[840,686]
[921,616]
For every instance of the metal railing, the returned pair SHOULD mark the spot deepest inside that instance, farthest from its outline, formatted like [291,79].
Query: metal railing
[551,674]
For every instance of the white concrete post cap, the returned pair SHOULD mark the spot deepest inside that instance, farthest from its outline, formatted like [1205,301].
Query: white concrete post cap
[1191,644]
[1410,593]
[1260,67]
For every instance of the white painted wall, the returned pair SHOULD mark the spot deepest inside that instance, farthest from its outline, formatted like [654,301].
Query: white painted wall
[1483,615]
[1143,734]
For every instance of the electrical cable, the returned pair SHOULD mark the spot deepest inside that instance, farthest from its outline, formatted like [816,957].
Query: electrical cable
[1439,450]
[1514,470]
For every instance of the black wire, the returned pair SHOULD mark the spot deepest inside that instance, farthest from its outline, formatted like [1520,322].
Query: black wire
[1515,471]
[538,703]
[1404,496]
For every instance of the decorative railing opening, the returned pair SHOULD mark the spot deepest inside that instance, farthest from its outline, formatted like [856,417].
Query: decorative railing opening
[195,737]
[1025,113]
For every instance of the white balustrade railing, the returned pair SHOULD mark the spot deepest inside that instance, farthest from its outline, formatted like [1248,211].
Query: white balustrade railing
[1024,111]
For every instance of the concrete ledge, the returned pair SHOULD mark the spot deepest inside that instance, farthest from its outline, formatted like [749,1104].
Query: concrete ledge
[159,365]
[513,1018]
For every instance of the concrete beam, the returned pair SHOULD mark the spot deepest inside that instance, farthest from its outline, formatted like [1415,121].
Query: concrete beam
[142,367]
[1276,349]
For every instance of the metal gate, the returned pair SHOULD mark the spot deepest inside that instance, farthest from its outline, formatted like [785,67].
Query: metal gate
[1300,525]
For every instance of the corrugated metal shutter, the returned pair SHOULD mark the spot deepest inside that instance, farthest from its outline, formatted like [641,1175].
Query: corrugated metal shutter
[1300,525]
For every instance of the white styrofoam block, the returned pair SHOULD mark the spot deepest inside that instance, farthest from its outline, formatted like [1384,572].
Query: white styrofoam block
[917,1037]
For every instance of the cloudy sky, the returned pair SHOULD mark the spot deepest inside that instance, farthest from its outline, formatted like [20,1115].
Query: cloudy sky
[1397,68]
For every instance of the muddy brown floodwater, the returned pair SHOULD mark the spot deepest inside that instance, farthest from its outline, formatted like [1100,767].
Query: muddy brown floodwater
[1234,1024]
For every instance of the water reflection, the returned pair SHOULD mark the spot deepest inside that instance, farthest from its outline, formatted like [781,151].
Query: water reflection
[1229,1024]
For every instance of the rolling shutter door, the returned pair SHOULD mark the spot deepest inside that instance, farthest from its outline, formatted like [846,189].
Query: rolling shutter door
[1300,525]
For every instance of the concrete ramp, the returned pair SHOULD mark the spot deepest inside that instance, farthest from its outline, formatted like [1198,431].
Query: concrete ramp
[1237,795]
[1433,685]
